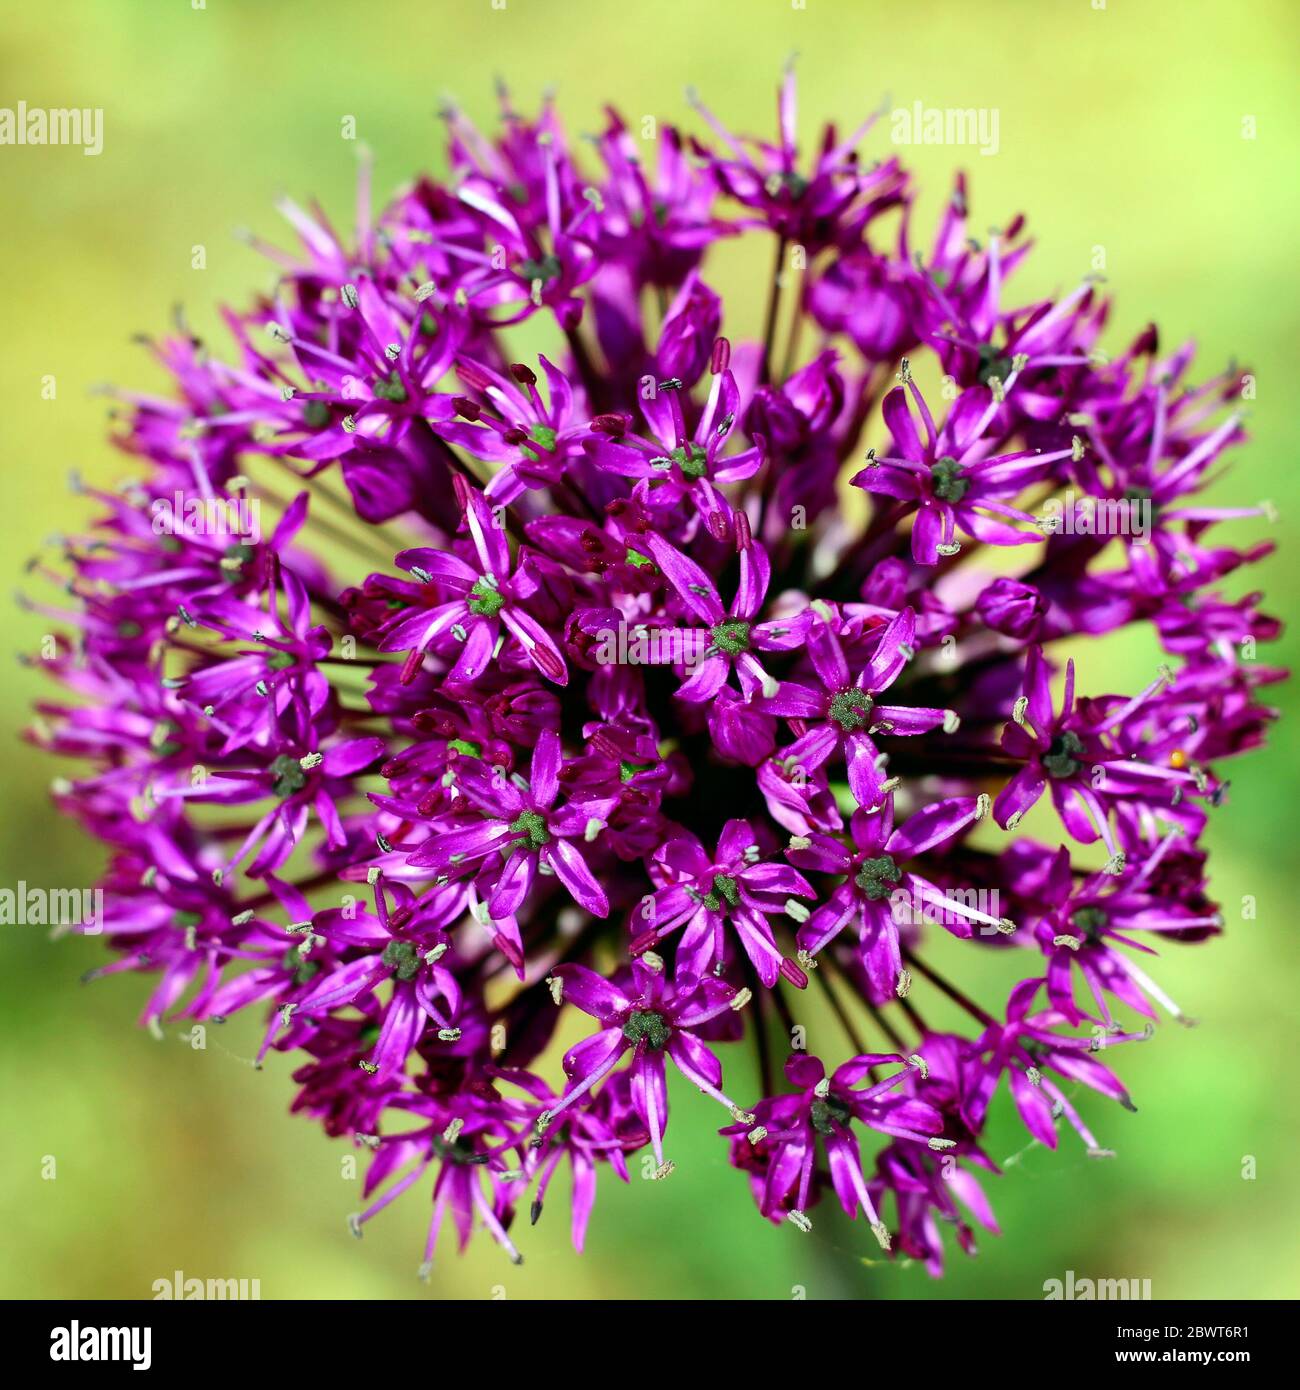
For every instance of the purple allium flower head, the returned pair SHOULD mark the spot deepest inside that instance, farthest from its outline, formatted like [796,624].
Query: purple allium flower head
[425,698]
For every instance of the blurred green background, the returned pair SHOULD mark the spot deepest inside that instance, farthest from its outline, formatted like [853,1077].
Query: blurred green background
[1121,128]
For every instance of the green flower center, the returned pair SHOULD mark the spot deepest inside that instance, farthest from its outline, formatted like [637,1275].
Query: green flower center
[303,970]
[163,741]
[486,599]
[390,388]
[531,828]
[460,1152]
[644,1025]
[402,959]
[1060,759]
[316,414]
[544,435]
[851,709]
[626,771]
[464,747]
[691,459]
[288,774]
[544,268]
[731,637]
[1140,495]
[826,1113]
[946,481]
[279,661]
[238,555]
[1091,921]
[992,363]
[724,890]
[877,877]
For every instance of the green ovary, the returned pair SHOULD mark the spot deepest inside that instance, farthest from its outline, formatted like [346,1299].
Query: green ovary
[851,708]
[731,637]
[946,480]
[485,600]
[532,828]
[1060,759]
[877,877]
[724,891]
[691,459]
[644,1025]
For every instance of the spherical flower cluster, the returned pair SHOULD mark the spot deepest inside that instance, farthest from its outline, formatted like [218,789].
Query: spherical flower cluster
[620,687]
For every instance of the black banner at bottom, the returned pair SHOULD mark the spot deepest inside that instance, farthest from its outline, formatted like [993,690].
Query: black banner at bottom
[177,1338]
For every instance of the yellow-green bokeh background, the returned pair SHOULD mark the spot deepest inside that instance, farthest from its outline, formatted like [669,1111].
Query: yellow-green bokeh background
[1121,128]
